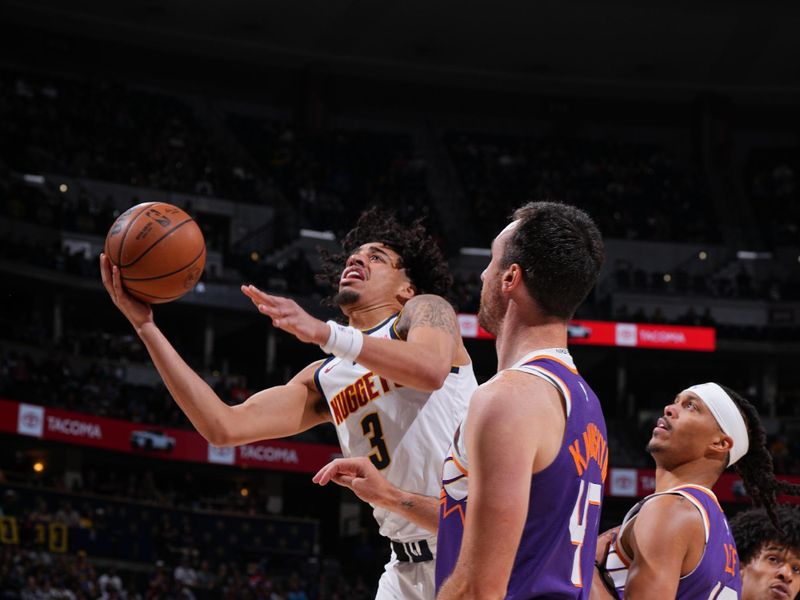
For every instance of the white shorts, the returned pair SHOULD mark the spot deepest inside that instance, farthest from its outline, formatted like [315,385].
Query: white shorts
[402,580]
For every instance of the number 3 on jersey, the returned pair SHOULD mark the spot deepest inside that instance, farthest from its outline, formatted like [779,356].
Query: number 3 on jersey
[577,525]
[371,426]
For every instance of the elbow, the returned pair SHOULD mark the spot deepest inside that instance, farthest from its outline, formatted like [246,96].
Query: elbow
[220,435]
[434,377]
[219,439]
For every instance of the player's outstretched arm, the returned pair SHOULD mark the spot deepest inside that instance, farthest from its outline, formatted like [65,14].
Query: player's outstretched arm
[504,435]
[361,476]
[428,324]
[276,412]
[659,556]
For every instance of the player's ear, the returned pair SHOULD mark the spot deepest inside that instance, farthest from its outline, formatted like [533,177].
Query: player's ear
[722,444]
[512,278]
[406,292]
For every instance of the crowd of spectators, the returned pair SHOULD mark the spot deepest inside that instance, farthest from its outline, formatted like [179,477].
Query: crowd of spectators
[108,131]
[98,388]
[743,284]
[332,175]
[193,552]
[40,201]
[291,274]
[55,208]
[633,191]
[775,193]
[85,129]
[40,575]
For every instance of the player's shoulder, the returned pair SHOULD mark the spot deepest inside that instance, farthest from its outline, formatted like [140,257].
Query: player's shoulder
[425,303]
[510,381]
[672,508]
[649,531]
[514,392]
[427,310]
[307,374]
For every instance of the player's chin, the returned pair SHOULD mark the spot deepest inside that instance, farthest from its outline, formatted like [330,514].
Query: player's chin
[654,445]
[346,296]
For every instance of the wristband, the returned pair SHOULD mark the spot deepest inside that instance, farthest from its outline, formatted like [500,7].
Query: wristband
[344,342]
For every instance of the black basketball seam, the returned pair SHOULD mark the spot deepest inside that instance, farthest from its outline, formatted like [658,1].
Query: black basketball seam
[186,266]
[127,229]
[154,244]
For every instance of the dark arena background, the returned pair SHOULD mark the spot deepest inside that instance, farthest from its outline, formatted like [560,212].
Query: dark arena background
[674,124]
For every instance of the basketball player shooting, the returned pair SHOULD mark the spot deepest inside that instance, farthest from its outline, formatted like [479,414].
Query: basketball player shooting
[396,383]
[522,483]
[676,543]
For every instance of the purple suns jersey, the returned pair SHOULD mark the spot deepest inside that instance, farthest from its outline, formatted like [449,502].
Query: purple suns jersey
[555,558]
[716,576]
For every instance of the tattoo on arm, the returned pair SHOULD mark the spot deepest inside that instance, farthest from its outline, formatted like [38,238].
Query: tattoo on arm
[427,311]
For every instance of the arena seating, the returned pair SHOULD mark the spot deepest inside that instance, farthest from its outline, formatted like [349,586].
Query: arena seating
[634,191]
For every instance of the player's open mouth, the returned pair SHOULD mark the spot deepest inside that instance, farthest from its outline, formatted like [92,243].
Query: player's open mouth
[662,424]
[354,273]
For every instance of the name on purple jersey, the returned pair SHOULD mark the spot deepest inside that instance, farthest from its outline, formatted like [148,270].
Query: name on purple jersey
[594,448]
[731,558]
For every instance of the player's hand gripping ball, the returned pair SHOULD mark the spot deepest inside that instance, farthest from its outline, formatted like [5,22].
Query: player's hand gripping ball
[159,250]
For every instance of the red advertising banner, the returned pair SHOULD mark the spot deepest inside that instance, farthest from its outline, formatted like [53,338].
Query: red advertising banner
[58,425]
[610,333]
[638,483]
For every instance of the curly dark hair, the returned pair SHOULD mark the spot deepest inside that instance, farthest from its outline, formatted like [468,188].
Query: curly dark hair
[752,530]
[420,255]
[755,467]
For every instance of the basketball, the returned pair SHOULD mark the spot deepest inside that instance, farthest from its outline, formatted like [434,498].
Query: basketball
[159,250]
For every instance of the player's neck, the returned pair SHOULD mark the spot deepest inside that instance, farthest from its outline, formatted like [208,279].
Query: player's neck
[367,317]
[520,336]
[690,473]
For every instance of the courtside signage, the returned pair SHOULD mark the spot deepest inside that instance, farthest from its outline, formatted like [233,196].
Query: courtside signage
[625,335]
[157,442]
[638,483]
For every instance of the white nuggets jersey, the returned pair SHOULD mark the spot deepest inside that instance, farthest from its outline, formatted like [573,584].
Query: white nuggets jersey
[404,432]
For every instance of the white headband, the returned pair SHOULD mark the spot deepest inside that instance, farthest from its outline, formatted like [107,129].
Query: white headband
[727,415]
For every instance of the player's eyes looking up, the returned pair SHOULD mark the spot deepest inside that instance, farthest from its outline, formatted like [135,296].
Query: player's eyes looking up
[686,402]
[374,254]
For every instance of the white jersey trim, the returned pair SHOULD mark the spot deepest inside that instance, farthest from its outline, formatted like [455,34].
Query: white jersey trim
[560,355]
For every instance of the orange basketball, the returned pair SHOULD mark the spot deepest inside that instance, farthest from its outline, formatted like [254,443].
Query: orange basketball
[159,250]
